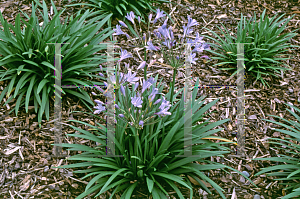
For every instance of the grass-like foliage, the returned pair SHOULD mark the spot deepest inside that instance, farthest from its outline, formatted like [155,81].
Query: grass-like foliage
[29,61]
[150,143]
[265,53]
[288,169]
[120,8]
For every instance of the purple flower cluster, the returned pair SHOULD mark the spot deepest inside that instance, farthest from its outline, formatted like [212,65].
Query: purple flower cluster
[137,101]
[118,30]
[99,108]
[164,107]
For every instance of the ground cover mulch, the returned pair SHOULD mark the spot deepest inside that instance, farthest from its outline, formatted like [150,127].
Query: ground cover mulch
[26,153]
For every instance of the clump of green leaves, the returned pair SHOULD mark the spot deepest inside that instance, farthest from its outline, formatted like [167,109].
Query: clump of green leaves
[289,169]
[152,150]
[264,55]
[119,8]
[29,61]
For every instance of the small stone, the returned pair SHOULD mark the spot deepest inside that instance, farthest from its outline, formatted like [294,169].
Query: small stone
[256,196]
[46,169]
[246,173]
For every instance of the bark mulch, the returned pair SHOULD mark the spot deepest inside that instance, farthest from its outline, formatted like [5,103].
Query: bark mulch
[26,153]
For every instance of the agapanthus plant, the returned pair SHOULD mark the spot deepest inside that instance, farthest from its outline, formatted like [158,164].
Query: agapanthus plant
[288,167]
[163,40]
[150,147]
[137,109]
[27,57]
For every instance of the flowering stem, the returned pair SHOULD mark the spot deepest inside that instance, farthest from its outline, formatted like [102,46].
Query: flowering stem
[145,68]
[173,84]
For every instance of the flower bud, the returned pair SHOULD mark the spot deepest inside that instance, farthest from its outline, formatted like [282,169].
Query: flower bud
[150,17]
[116,105]
[98,101]
[121,115]
[141,123]
[123,24]
[157,101]
[136,85]
[122,90]
[142,65]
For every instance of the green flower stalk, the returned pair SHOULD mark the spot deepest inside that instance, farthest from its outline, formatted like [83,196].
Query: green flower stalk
[169,47]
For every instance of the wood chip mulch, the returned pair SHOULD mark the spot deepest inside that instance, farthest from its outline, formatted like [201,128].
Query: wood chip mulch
[26,153]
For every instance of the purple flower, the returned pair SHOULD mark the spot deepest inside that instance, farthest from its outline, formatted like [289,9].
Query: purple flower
[99,108]
[123,24]
[152,95]
[100,66]
[142,65]
[158,35]
[139,19]
[191,22]
[201,47]
[99,88]
[205,57]
[118,31]
[124,55]
[198,48]
[93,93]
[193,59]
[130,17]
[151,46]
[163,112]
[121,78]
[151,80]
[128,37]
[157,101]
[126,65]
[164,104]
[190,41]
[141,123]
[146,85]
[159,14]
[131,77]
[186,31]
[101,74]
[164,31]
[169,44]
[108,94]
[116,105]
[122,90]
[135,86]
[206,46]
[177,57]
[98,101]
[164,107]
[198,38]
[171,33]
[121,115]
[137,101]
